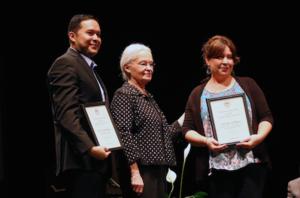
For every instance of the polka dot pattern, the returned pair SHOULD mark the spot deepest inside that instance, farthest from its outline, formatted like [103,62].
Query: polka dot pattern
[145,133]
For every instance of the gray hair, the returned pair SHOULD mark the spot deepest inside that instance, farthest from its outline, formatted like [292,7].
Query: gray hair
[130,53]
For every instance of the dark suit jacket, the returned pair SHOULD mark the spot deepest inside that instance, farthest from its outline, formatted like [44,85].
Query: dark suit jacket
[71,82]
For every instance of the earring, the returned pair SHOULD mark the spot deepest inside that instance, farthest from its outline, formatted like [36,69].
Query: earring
[208,72]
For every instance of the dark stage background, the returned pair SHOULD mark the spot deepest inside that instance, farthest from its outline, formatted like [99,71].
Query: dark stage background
[267,42]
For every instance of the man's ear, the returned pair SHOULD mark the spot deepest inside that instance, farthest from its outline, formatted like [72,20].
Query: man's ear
[72,36]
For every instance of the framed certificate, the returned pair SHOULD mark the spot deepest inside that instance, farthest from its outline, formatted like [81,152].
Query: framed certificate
[229,118]
[102,125]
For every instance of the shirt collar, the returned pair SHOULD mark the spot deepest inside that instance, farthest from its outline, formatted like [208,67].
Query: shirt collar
[135,91]
[89,61]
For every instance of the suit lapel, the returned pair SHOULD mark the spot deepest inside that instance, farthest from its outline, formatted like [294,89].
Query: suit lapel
[92,75]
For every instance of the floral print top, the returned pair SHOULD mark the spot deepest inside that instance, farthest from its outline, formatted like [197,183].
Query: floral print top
[232,158]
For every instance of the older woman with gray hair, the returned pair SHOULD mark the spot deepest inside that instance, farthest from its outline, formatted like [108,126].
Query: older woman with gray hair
[145,133]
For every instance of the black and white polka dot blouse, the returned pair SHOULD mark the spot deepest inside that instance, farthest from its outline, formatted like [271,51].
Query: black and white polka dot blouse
[145,133]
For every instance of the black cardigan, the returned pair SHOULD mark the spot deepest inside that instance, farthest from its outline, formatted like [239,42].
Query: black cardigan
[192,121]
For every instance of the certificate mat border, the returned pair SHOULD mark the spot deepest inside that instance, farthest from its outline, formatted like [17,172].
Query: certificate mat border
[210,100]
[94,104]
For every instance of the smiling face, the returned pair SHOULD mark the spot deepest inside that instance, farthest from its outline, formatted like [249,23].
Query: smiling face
[87,38]
[220,56]
[222,64]
[140,70]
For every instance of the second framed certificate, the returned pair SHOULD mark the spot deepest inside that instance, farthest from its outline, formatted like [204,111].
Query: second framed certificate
[102,125]
[229,118]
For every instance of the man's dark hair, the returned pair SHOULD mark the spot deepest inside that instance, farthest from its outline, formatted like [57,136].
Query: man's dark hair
[75,21]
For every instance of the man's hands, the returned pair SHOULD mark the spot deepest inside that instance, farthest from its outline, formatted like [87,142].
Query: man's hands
[99,152]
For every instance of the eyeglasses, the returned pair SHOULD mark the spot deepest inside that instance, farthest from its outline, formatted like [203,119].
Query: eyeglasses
[145,64]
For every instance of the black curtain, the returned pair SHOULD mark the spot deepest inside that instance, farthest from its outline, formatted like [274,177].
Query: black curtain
[1,114]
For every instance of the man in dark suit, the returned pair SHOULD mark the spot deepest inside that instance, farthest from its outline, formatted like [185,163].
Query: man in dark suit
[72,82]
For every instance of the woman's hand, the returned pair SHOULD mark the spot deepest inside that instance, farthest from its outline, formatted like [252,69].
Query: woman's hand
[137,182]
[136,179]
[250,142]
[214,145]
[264,129]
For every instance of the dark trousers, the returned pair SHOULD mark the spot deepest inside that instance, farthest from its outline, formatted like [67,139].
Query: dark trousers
[83,184]
[154,178]
[247,182]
